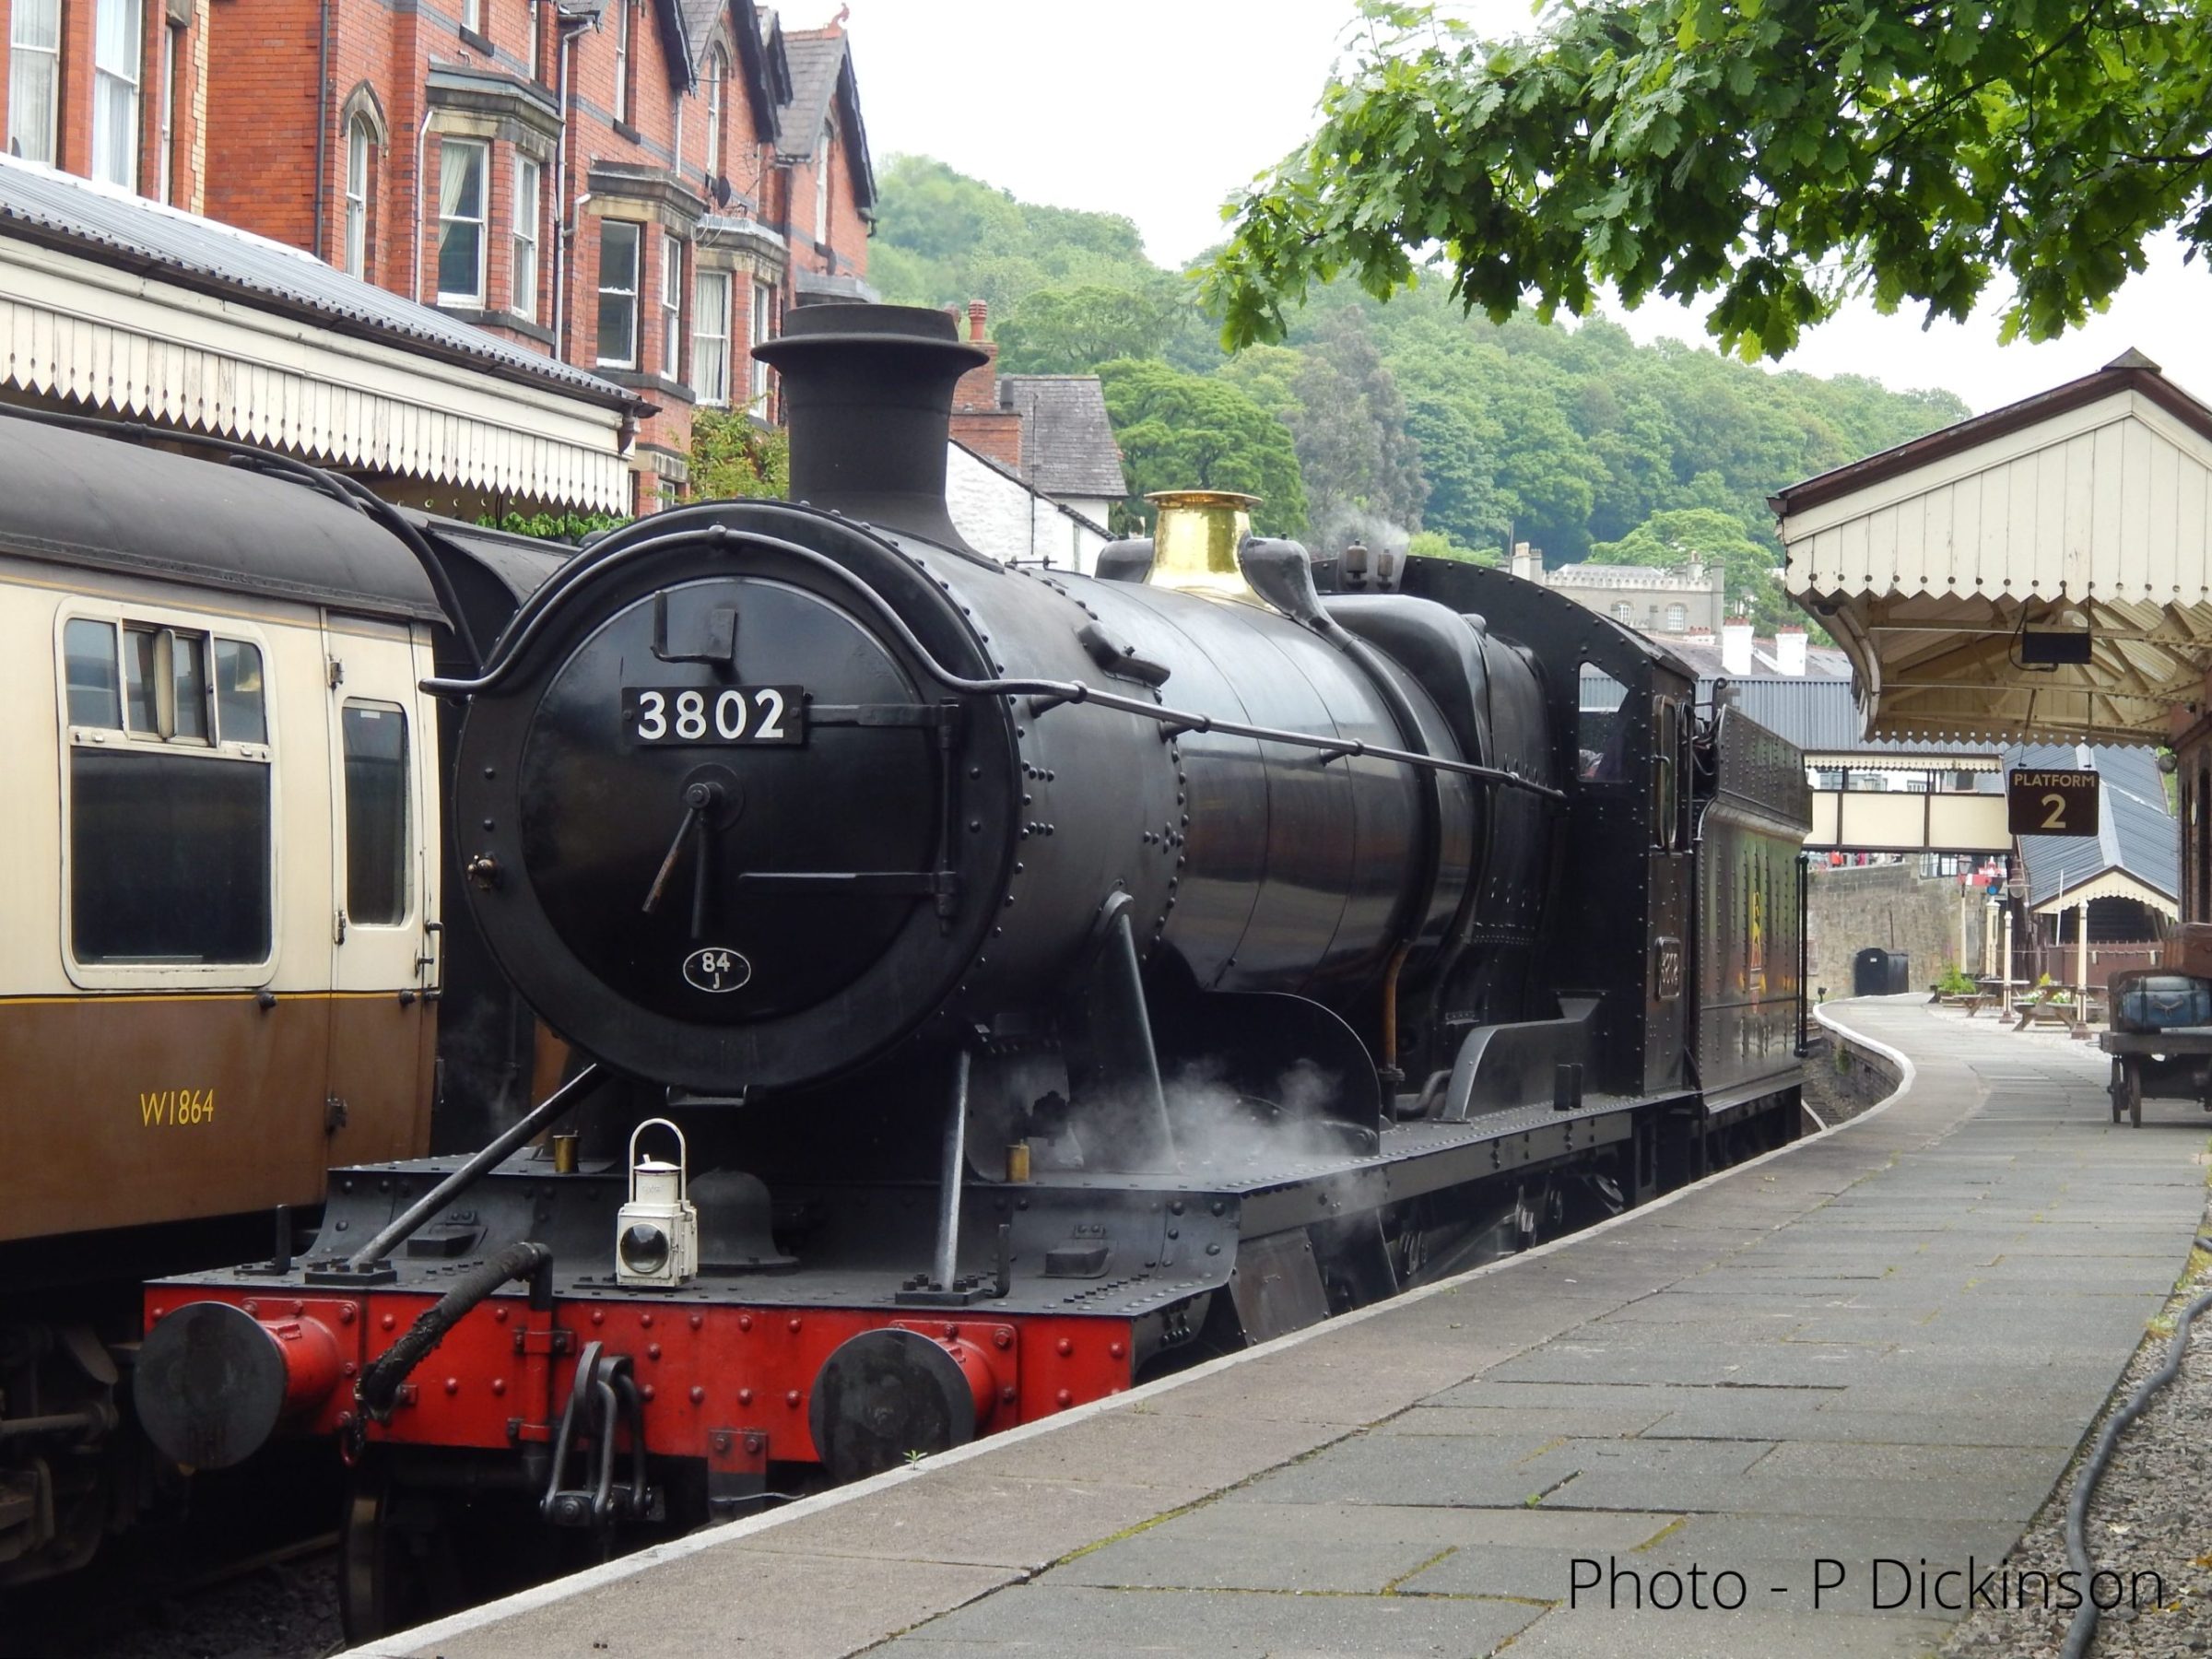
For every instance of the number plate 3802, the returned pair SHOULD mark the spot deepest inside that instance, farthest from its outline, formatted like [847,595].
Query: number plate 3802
[671,716]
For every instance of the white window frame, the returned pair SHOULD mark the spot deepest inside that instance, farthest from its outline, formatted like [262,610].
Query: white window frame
[471,15]
[22,60]
[764,313]
[118,45]
[528,204]
[711,332]
[164,155]
[533,58]
[622,62]
[361,144]
[635,233]
[446,146]
[119,976]
[718,68]
[672,307]
[821,184]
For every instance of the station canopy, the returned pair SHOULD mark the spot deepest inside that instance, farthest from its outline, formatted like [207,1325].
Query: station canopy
[2040,573]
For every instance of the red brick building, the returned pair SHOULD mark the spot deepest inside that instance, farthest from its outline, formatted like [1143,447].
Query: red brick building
[637,186]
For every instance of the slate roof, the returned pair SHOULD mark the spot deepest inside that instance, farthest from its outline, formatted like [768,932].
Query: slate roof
[61,210]
[2135,833]
[1817,713]
[821,69]
[1067,446]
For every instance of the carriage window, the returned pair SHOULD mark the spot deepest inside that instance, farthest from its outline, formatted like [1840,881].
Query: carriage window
[168,857]
[188,686]
[1600,732]
[169,839]
[88,663]
[141,678]
[376,813]
[240,716]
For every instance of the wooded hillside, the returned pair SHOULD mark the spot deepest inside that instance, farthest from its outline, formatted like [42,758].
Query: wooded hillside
[1402,417]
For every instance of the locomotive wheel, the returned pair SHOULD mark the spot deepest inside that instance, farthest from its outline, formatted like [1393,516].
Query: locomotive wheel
[408,1554]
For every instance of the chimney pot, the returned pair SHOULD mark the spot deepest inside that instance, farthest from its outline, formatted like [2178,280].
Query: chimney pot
[977,311]
[1790,651]
[1736,645]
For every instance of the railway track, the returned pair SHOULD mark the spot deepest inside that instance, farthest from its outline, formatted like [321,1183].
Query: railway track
[249,1573]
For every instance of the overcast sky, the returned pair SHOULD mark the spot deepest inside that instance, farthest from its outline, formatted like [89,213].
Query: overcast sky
[1160,109]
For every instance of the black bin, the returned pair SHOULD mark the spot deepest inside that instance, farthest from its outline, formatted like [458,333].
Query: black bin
[1877,972]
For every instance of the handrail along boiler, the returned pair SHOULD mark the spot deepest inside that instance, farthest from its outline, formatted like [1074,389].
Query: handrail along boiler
[1051,978]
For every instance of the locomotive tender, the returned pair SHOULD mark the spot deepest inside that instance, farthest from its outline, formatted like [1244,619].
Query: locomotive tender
[1000,985]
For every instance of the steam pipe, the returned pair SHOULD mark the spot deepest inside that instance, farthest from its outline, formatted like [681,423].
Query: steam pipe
[950,1177]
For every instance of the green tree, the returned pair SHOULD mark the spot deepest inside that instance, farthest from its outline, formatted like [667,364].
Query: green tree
[733,455]
[1780,154]
[1188,432]
[1361,470]
[1073,330]
[1435,544]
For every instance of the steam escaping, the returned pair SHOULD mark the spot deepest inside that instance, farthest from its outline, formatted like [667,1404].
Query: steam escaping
[1349,522]
[1219,1128]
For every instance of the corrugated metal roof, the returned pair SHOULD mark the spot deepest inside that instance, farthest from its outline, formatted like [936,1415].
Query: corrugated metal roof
[118,228]
[2135,833]
[1067,446]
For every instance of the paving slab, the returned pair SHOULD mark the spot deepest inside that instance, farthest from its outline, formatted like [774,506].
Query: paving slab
[1869,1354]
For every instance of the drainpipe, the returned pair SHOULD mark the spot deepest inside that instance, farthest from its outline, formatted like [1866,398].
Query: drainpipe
[422,136]
[563,222]
[321,120]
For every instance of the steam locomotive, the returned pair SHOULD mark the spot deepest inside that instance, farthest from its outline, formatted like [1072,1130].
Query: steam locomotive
[998,986]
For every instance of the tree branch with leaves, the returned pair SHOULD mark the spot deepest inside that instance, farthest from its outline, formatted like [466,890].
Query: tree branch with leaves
[1779,156]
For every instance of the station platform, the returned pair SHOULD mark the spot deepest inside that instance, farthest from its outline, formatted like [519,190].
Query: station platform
[1881,1345]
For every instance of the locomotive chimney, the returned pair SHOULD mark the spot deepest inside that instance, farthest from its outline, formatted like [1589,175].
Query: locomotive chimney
[867,390]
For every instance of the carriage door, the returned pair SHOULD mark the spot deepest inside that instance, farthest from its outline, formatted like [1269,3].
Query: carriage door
[385,818]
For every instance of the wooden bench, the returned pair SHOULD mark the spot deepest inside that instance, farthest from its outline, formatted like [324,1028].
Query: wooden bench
[2039,1012]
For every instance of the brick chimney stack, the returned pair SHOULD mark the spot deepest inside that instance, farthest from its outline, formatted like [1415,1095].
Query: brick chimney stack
[978,420]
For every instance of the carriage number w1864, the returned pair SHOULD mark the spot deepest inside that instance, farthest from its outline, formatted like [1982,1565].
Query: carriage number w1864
[665,716]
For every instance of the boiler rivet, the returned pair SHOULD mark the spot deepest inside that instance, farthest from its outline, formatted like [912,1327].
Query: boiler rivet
[744,1397]
[453,1385]
[653,1350]
[698,1319]
[598,1315]
[1067,1346]
[1066,1398]
[790,1398]
[1116,1349]
[498,1386]
[645,1321]
[744,1322]
[388,1321]
[794,1324]
[699,1395]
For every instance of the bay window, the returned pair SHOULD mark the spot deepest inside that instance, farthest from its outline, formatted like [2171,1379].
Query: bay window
[116,38]
[618,295]
[461,166]
[710,337]
[34,72]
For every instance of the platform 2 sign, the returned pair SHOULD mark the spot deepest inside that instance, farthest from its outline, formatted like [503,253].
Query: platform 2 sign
[2050,803]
